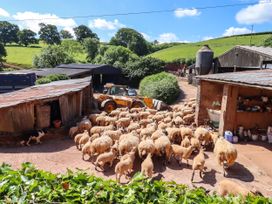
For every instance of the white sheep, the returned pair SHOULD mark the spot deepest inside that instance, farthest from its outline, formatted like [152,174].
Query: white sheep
[113,134]
[106,157]
[84,124]
[126,144]
[143,123]
[203,135]
[174,134]
[158,133]
[228,187]
[100,145]
[198,163]
[189,118]
[123,122]
[78,137]
[148,131]
[186,132]
[185,142]
[225,153]
[180,153]
[163,146]
[92,118]
[100,129]
[195,143]
[133,126]
[145,147]
[83,140]
[73,131]
[147,166]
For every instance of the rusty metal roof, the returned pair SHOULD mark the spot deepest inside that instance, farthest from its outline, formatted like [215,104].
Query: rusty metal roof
[45,91]
[258,78]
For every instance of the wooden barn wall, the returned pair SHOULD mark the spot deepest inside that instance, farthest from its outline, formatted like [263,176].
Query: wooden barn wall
[18,118]
[244,59]
[207,93]
[87,100]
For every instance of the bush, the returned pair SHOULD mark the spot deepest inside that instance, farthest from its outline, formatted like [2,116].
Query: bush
[52,56]
[162,86]
[52,77]
[268,42]
[30,185]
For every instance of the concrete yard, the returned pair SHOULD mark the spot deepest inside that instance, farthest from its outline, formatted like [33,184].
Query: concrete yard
[253,167]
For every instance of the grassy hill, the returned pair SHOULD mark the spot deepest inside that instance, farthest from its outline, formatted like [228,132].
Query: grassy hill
[218,45]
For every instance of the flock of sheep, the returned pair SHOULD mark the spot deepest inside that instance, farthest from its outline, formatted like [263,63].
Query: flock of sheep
[124,132]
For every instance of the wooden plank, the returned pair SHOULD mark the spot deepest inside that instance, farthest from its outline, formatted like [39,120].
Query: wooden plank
[64,109]
[6,123]
[228,108]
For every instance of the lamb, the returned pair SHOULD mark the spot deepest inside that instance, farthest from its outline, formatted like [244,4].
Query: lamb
[198,163]
[125,165]
[174,134]
[185,131]
[83,140]
[185,142]
[189,118]
[106,157]
[100,129]
[123,122]
[99,145]
[163,146]
[228,187]
[180,153]
[203,135]
[128,143]
[78,137]
[146,147]
[158,133]
[73,131]
[113,134]
[225,153]
[147,166]
[86,148]
[195,143]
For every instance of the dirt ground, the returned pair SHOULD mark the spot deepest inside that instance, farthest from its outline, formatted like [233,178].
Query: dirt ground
[253,167]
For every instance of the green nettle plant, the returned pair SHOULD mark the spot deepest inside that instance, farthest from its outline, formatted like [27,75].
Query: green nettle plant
[30,185]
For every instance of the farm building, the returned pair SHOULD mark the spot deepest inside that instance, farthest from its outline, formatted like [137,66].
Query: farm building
[242,58]
[39,106]
[235,99]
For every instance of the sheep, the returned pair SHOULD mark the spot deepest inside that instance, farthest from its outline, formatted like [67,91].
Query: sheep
[178,121]
[101,120]
[83,140]
[225,153]
[78,137]
[185,131]
[163,146]
[167,119]
[85,124]
[73,131]
[189,118]
[228,187]
[188,111]
[99,145]
[124,114]
[115,113]
[106,157]
[125,165]
[185,142]
[100,129]
[94,136]
[174,134]
[180,153]
[123,122]
[110,120]
[136,110]
[158,133]
[133,126]
[178,114]
[158,117]
[86,148]
[198,163]
[147,166]
[151,111]
[128,143]
[113,134]
[92,118]
[203,135]
[195,143]
[148,131]
[143,115]
[134,116]
[145,147]
[143,123]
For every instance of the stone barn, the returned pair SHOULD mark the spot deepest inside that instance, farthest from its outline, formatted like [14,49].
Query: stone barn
[237,99]
[39,106]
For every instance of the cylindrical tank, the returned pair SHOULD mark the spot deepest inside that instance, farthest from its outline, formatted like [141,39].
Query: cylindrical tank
[204,60]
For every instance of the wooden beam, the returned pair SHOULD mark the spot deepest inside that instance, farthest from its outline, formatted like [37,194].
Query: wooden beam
[228,108]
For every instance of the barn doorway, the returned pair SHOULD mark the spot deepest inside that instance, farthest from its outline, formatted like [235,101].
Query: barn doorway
[55,111]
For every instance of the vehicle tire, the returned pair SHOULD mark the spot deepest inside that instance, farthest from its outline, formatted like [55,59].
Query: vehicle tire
[138,104]
[109,106]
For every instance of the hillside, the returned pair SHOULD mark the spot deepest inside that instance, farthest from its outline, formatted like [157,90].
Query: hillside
[218,45]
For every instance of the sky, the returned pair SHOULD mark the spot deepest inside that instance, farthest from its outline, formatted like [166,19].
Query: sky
[186,20]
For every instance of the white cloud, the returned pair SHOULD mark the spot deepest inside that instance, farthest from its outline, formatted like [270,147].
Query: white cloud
[181,12]
[236,31]
[4,13]
[103,24]
[46,18]
[168,37]
[207,38]
[255,14]
[146,36]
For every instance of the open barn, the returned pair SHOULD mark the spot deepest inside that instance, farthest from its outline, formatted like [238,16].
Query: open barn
[38,106]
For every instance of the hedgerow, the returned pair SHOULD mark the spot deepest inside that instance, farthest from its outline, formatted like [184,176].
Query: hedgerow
[51,78]
[162,86]
[30,185]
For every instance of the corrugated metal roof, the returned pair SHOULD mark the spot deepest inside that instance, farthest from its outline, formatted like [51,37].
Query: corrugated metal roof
[259,78]
[68,72]
[46,91]
[262,50]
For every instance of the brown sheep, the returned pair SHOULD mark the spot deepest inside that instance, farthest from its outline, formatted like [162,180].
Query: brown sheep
[198,163]
[163,146]
[147,166]
[106,157]
[185,142]
[180,153]
[145,147]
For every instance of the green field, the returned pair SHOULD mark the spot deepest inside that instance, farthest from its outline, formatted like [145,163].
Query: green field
[219,46]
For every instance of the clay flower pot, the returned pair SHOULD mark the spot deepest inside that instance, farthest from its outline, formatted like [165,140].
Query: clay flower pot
[57,123]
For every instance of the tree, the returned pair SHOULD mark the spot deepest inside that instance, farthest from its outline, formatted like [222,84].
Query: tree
[49,34]
[91,46]
[8,32]
[3,53]
[27,37]
[52,56]
[268,42]
[65,34]
[130,39]
[83,31]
